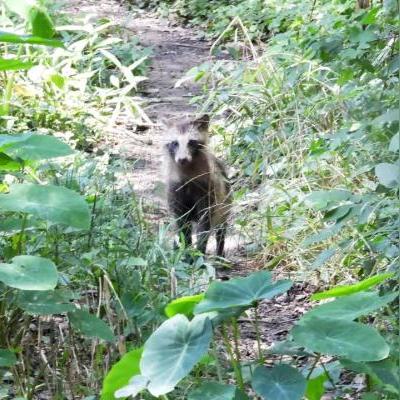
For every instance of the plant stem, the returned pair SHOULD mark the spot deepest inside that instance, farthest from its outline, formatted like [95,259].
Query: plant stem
[217,364]
[258,335]
[234,363]
[314,365]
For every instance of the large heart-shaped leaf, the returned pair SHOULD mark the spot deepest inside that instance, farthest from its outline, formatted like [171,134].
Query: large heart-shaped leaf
[241,292]
[183,305]
[120,374]
[89,325]
[29,273]
[135,385]
[53,203]
[345,290]
[173,350]
[351,307]
[216,391]
[340,337]
[46,302]
[33,147]
[7,358]
[281,382]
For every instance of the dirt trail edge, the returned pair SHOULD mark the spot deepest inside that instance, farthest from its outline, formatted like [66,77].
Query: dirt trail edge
[175,51]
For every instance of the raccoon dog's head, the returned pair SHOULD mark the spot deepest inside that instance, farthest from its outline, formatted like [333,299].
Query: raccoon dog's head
[187,139]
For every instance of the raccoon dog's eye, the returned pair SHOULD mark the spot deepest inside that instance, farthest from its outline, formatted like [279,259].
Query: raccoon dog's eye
[195,144]
[173,145]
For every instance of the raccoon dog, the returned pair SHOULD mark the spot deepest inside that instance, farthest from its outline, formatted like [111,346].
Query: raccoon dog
[197,183]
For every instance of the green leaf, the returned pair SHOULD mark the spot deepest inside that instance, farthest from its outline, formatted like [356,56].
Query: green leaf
[20,7]
[338,337]
[281,382]
[322,235]
[395,143]
[388,174]
[41,23]
[388,117]
[9,37]
[323,257]
[351,307]
[7,358]
[52,203]
[173,350]
[320,200]
[90,326]
[350,289]
[29,273]
[120,374]
[13,64]
[33,147]
[315,387]
[183,305]
[241,292]
[216,391]
[46,302]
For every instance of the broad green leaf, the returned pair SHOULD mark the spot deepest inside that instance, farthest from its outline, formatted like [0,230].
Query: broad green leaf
[322,235]
[33,147]
[216,391]
[315,387]
[281,382]
[46,302]
[388,117]
[7,358]
[388,174]
[90,326]
[9,37]
[183,305]
[384,372]
[395,143]
[241,292]
[29,273]
[320,200]
[41,23]
[350,289]
[351,307]
[323,257]
[120,374]
[13,64]
[173,350]
[338,337]
[10,226]
[56,204]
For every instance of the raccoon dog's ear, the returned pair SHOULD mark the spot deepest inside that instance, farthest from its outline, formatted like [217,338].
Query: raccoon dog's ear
[202,123]
[165,123]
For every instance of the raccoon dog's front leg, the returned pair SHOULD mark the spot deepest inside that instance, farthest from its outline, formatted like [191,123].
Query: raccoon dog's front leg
[220,237]
[203,232]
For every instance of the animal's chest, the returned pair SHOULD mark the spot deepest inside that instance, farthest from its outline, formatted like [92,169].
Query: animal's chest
[191,199]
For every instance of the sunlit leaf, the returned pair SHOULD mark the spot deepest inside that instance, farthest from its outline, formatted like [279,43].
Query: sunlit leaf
[120,374]
[354,288]
[183,305]
[9,37]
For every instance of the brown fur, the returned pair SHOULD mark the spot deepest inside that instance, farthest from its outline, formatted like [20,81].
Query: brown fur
[197,184]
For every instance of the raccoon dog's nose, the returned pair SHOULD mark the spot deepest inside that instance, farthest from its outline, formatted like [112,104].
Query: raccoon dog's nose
[183,161]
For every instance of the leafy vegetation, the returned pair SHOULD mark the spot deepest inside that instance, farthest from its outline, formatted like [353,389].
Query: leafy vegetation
[306,112]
